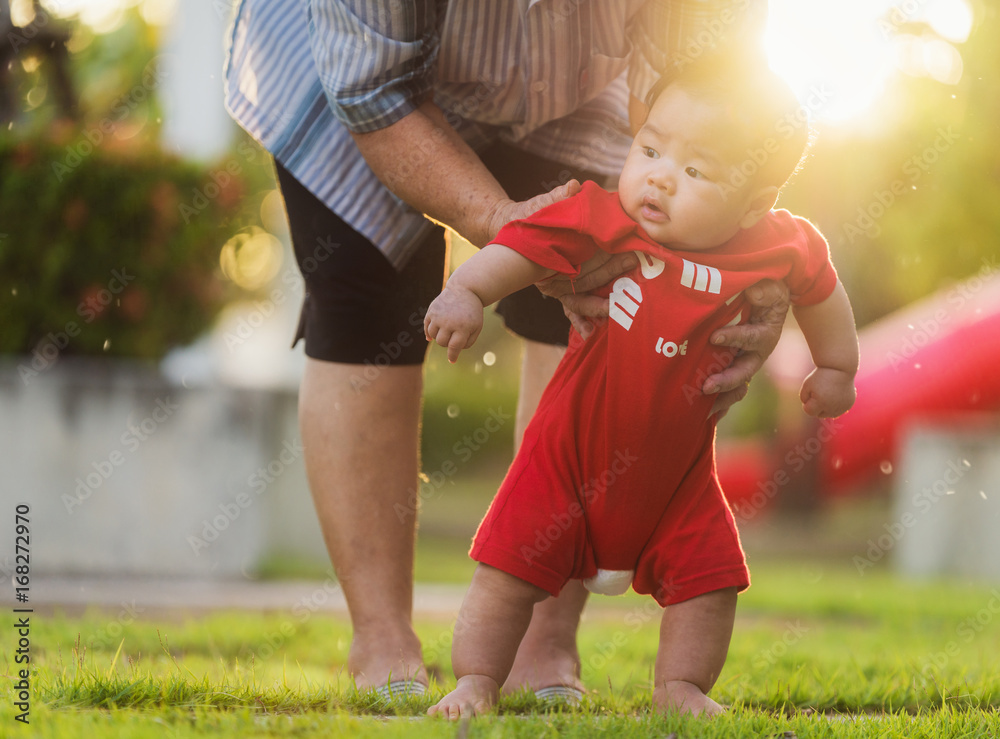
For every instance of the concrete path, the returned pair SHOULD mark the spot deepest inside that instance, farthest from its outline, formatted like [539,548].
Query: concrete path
[76,594]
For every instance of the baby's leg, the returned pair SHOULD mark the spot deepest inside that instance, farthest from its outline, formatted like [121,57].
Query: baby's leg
[694,641]
[494,616]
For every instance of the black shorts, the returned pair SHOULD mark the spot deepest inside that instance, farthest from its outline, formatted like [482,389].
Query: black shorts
[359,309]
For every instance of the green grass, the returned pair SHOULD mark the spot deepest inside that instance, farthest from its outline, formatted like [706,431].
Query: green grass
[818,651]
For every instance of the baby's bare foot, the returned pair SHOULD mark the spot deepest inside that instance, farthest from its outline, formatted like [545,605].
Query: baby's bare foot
[474,695]
[685,697]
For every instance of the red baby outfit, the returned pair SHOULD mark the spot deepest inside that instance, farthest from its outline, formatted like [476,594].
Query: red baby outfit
[617,468]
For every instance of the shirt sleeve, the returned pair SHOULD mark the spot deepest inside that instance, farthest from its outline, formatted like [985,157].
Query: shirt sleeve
[375,59]
[554,237]
[813,277]
[668,34]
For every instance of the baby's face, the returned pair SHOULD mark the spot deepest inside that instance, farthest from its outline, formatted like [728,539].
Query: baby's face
[675,182]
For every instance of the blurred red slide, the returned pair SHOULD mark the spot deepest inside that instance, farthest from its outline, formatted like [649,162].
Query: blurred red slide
[937,359]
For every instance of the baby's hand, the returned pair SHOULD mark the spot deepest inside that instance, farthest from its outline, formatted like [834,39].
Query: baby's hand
[828,393]
[454,319]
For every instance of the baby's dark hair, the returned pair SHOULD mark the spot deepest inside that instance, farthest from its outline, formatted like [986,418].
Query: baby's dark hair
[760,105]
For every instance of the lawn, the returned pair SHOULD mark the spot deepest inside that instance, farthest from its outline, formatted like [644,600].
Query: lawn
[819,650]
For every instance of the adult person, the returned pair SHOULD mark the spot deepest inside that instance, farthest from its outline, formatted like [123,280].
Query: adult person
[473,112]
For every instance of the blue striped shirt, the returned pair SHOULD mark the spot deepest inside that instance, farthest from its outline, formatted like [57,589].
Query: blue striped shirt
[549,76]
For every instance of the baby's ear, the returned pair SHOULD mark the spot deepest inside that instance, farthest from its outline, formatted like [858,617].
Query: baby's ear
[760,203]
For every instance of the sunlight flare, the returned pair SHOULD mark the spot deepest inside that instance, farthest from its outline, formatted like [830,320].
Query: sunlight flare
[839,57]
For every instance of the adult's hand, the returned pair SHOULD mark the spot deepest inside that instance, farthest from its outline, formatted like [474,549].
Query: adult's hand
[508,210]
[578,303]
[754,340]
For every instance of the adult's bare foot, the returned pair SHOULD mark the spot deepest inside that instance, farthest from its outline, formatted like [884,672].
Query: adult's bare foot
[375,665]
[542,666]
[544,661]
[548,655]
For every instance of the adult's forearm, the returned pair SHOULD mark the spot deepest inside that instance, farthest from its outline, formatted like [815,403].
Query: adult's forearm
[422,160]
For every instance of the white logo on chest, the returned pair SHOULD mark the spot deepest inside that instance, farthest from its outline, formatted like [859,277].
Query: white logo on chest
[670,349]
[623,302]
[701,278]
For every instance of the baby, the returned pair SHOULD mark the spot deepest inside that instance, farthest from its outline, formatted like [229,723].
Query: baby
[615,479]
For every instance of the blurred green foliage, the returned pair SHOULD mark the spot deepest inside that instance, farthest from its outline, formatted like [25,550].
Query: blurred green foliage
[97,255]
[108,246]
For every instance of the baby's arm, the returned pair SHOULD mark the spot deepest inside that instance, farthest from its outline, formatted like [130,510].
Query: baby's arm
[833,341]
[455,318]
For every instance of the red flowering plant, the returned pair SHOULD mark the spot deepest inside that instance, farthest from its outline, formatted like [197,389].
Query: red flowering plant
[111,251]
[108,245]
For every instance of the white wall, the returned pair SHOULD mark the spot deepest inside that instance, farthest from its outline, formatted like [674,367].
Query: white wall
[947,502]
[128,474]
[195,123]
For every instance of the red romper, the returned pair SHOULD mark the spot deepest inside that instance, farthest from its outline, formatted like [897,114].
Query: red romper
[617,467]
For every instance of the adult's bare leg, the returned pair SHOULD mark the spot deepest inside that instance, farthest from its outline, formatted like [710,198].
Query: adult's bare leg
[361,449]
[548,655]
